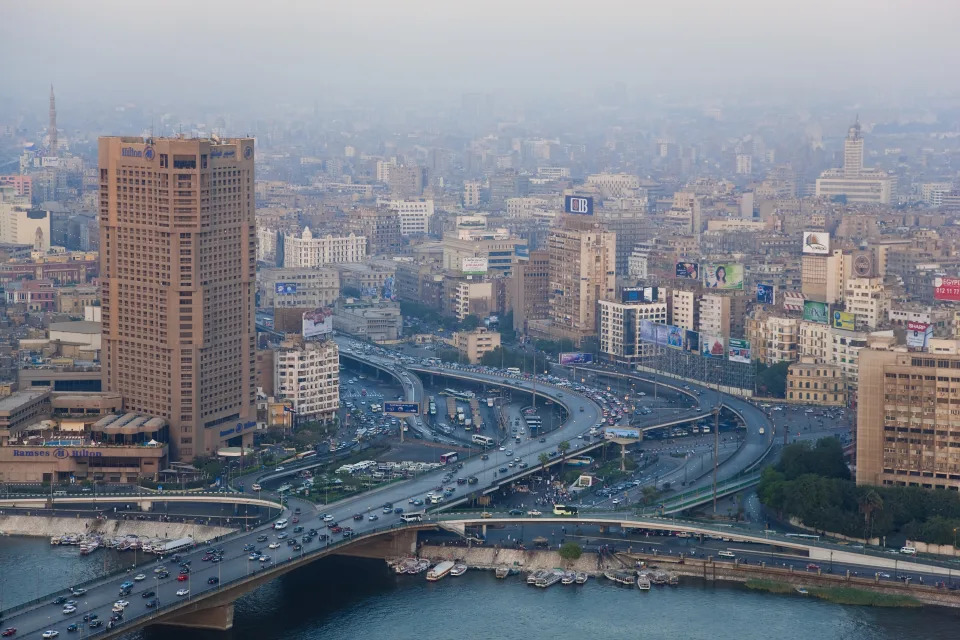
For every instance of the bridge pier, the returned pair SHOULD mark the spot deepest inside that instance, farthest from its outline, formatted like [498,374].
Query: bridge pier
[392,545]
[146,505]
[216,618]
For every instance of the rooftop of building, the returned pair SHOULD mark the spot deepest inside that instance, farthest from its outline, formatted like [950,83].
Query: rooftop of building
[77,326]
[20,399]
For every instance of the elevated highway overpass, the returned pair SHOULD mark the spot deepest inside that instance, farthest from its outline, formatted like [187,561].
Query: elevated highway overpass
[210,605]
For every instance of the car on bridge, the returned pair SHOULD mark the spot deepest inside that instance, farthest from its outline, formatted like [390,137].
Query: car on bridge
[9,631]
[183,592]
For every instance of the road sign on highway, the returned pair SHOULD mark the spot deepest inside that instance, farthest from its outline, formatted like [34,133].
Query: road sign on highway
[401,408]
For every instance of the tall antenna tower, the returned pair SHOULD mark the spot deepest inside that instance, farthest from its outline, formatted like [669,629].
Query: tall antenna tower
[52,127]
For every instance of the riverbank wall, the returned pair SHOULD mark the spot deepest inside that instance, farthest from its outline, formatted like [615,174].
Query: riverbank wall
[708,570]
[46,527]
[532,560]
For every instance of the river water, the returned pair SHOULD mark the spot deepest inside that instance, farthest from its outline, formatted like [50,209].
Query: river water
[350,598]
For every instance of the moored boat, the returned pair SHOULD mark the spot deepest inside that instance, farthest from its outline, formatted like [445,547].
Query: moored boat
[532,578]
[582,577]
[404,565]
[620,577]
[643,582]
[502,572]
[458,569]
[659,577]
[440,571]
[419,567]
[54,539]
[552,578]
[569,577]
[673,579]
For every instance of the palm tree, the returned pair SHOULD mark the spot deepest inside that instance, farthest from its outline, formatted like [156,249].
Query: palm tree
[869,502]
[563,447]
[544,459]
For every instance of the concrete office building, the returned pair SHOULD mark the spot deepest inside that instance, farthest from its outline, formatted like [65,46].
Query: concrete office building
[528,290]
[684,310]
[21,222]
[307,251]
[414,215]
[854,182]
[619,330]
[582,272]
[299,288]
[867,300]
[475,344]
[178,260]
[307,372]
[809,382]
[908,432]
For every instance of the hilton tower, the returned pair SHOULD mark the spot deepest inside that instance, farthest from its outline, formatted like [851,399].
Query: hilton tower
[177,273]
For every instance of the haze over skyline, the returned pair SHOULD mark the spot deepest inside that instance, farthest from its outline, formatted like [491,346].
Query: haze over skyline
[180,51]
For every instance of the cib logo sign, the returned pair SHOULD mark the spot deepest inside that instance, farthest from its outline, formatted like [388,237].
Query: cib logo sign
[582,205]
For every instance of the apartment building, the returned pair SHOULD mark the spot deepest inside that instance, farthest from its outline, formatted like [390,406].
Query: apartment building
[816,383]
[715,315]
[307,372]
[475,344]
[414,215]
[867,300]
[307,251]
[684,309]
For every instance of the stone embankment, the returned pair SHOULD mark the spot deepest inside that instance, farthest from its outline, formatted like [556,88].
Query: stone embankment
[491,558]
[44,526]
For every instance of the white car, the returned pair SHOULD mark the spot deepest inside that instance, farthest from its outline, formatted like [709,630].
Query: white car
[503,448]
[616,501]
[159,569]
[69,609]
[50,633]
[123,604]
[534,513]
[327,518]
[139,577]
[183,592]
[273,545]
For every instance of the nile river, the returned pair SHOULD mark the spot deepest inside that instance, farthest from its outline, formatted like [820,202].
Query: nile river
[349,598]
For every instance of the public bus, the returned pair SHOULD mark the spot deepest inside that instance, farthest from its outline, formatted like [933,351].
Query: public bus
[513,370]
[411,517]
[580,461]
[564,510]
[460,395]
[306,454]
[485,441]
[448,458]
[433,406]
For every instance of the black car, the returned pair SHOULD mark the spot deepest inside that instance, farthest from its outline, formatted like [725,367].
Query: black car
[163,574]
[213,580]
[73,627]
[59,600]
[516,512]
[543,439]
[95,623]
[503,469]
[485,457]
[297,547]
[291,542]
[90,616]
[148,594]
[152,603]
[261,538]
[298,529]
[117,617]
[184,571]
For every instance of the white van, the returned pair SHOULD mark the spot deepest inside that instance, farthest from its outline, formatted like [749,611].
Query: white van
[280,524]
[726,554]
[910,551]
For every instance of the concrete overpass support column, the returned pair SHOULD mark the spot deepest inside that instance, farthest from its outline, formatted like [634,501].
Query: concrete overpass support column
[218,618]
[483,530]
[146,505]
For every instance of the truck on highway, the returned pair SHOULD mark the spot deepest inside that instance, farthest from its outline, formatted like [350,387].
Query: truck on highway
[173,546]
[451,408]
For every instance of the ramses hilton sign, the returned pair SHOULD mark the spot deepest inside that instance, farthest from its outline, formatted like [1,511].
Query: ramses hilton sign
[56,453]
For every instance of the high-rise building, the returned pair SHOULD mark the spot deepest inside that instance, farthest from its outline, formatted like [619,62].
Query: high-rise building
[21,222]
[715,315]
[528,291]
[854,182]
[414,215]
[906,425]
[582,272]
[178,260]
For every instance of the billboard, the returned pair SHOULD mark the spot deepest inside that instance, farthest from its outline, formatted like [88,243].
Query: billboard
[581,205]
[843,320]
[815,311]
[285,288]
[648,331]
[611,433]
[576,357]
[712,346]
[401,407]
[723,276]
[766,293]
[946,289]
[692,340]
[675,337]
[919,334]
[662,333]
[49,161]
[474,266]
[739,350]
[317,323]
[631,294]
[688,270]
[651,294]
[816,243]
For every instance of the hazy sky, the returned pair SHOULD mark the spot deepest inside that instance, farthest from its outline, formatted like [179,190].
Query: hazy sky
[267,51]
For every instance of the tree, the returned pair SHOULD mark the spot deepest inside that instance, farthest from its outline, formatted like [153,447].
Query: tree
[772,380]
[469,323]
[350,292]
[571,551]
[563,447]
[869,503]
[544,459]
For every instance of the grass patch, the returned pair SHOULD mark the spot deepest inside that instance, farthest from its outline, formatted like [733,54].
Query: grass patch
[839,595]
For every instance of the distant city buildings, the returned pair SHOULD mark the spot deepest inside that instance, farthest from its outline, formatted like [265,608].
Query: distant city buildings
[853,182]
[307,251]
